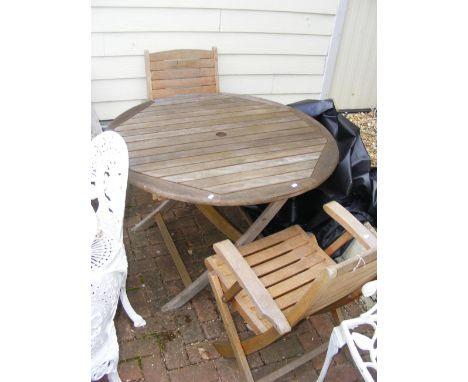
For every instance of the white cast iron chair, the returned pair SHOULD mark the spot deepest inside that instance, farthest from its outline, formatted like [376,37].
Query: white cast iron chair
[109,172]
[344,335]
[96,127]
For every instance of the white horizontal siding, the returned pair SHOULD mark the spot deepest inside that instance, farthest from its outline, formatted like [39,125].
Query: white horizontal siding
[195,20]
[133,66]
[289,98]
[154,20]
[274,49]
[307,6]
[109,110]
[135,88]
[129,44]
[276,22]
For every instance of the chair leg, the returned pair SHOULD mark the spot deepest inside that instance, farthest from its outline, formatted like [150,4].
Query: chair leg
[230,328]
[134,316]
[114,376]
[334,345]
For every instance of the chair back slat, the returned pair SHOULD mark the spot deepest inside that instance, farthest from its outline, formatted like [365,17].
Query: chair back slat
[334,283]
[182,71]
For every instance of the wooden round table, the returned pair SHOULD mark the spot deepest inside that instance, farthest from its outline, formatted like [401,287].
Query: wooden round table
[225,149]
[222,149]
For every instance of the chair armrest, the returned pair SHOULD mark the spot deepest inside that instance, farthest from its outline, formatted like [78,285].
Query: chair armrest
[251,284]
[342,216]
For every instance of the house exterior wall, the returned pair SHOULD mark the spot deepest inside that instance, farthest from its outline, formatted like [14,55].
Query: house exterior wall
[273,49]
[353,84]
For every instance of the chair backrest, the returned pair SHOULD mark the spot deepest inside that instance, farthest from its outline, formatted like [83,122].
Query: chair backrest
[336,282]
[182,71]
[109,173]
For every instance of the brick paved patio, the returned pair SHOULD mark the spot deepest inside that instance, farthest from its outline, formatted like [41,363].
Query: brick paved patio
[176,346]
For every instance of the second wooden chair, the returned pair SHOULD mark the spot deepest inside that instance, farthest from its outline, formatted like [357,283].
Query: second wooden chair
[277,281]
[182,71]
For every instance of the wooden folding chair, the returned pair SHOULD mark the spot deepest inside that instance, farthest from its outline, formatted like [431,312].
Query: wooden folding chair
[182,71]
[279,280]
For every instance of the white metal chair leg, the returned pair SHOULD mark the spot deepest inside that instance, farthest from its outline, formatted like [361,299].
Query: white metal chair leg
[138,321]
[114,376]
[334,345]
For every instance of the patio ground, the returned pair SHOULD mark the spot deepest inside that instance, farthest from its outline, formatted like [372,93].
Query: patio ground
[176,346]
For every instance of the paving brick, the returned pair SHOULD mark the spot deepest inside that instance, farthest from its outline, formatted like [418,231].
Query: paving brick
[167,268]
[154,369]
[343,373]
[189,326]
[353,310]
[123,326]
[310,341]
[150,280]
[240,323]
[129,371]
[183,210]
[140,266]
[160,322]
[323,324]
[137,348]
[138,239]
[303,327]
[130,219]
[305,373]
[139,302]
[205,306]
[150,251]
[283,348]
[133,281]
[255,360]
[175,355]
[228,371]
[201,352]
[269,368]
[214,330]
[205,372]
[154,237]
[173,288]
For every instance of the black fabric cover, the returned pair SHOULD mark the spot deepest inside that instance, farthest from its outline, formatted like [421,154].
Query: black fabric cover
[353,182]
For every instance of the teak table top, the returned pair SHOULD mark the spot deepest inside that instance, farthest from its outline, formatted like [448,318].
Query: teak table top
[225,149]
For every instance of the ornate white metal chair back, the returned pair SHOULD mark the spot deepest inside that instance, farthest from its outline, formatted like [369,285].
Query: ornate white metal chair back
[109,173]
[362,348]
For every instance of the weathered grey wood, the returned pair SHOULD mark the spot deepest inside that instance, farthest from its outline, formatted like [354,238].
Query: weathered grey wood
[184,275]
[167,73]
[292,365]
[261,222]
[187,294]
[174,141]
[148,220]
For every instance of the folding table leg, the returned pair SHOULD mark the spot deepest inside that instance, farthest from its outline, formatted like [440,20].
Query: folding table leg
[164,206]
[202,281]
[184,275]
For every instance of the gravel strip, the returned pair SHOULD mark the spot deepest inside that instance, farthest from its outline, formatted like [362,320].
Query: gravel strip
[367,123]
